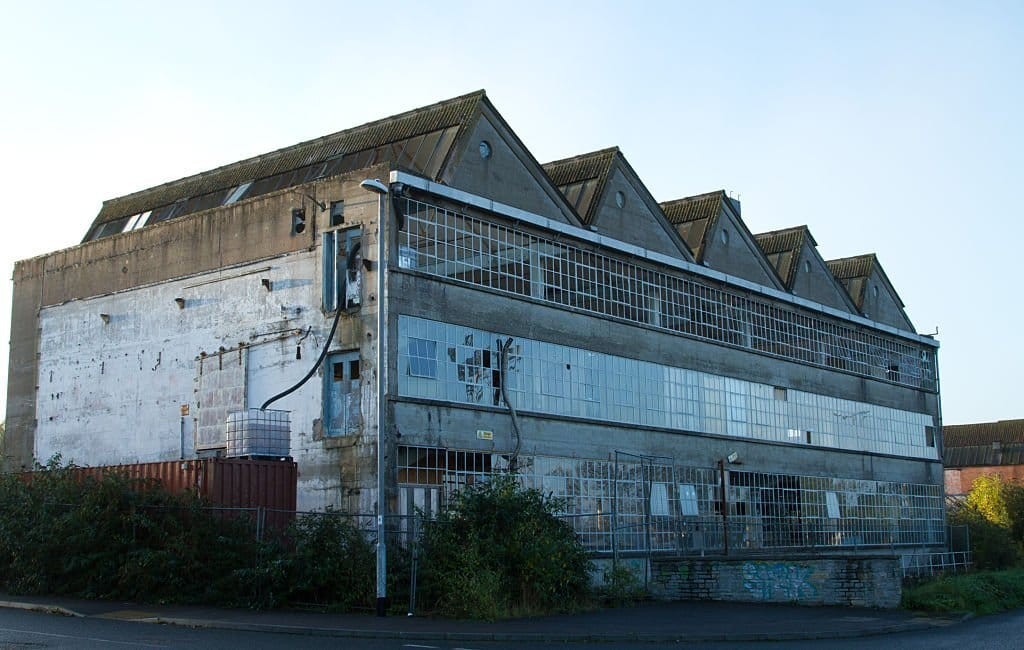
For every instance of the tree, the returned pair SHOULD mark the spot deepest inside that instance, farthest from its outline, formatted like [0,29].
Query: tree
[1000,502]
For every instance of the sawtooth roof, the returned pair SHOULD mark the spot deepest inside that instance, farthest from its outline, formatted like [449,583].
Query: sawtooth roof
[782,248]
[693,216]
[853,273]
[581,179]
[419,140]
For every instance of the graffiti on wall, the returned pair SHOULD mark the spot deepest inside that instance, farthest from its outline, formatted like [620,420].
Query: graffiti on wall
[779,581]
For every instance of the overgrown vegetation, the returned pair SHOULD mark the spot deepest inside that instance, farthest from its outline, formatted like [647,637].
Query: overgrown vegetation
[500,550]
[994,516]
[985,592]
[621,586]
[120,538]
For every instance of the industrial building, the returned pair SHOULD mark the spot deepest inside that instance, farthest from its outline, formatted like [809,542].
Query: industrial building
[632,355]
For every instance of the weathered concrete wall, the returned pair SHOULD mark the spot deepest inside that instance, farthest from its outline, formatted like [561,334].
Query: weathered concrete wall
[509,175]
[110,391]
[638,221]
[22,372]
[736,253]
[815,281]
[859,582]
[882,306]
[112,387]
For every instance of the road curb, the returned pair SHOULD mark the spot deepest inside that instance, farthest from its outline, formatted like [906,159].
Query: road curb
[39,607]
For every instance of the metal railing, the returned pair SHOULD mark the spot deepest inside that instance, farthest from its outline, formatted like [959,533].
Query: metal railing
[919,565]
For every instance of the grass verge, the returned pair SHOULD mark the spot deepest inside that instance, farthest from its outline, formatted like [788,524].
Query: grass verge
[985,592]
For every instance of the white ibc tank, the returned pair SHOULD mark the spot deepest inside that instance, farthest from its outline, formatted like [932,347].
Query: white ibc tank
[258,433]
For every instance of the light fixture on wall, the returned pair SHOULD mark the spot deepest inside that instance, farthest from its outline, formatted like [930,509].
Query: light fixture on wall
[266,284]
[319,204]
[733,459]
[105,318]
[180,302]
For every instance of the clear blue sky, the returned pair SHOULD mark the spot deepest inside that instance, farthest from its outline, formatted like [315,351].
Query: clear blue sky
[887,127]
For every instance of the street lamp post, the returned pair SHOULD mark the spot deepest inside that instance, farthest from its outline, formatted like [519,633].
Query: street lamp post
[381,190]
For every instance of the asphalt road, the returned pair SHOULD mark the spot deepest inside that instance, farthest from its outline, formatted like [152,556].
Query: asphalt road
[31,630]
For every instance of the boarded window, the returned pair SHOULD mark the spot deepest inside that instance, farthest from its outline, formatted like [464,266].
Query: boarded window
[220,389]
[342,394]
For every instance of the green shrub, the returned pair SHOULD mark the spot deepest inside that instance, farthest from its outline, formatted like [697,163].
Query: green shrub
[621,587]
[992,545]
[981,593]
[330,563]
[115,537]
[500,549]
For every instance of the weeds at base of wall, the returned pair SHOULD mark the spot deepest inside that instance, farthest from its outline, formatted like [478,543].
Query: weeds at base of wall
[499,552]
[621,587]
[986,592]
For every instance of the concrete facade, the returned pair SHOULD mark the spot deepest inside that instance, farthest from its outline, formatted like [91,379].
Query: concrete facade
[634,371]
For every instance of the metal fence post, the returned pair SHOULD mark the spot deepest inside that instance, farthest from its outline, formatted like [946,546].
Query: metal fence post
[415,543]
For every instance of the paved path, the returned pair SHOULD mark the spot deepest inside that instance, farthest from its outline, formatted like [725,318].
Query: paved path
[652,622]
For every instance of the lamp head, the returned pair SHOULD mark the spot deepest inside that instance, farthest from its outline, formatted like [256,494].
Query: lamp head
[374,185]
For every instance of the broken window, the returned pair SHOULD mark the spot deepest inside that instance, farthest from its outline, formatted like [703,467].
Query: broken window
[893,373]
[298,221]
[342,394]
[337,213]
[343,271]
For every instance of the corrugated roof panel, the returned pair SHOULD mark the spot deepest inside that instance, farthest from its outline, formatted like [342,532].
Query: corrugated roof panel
[445,115]
[694,208]
[859,266]
[590,170]
[983,455]
[983,433]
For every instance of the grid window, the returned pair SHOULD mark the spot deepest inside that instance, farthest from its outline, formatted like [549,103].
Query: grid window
[458,247]
[561,380]
[639,505]
[422,358]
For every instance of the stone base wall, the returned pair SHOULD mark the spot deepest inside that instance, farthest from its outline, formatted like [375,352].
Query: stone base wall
[862,581]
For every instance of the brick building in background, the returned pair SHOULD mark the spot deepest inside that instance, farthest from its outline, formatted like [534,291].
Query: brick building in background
[972,450]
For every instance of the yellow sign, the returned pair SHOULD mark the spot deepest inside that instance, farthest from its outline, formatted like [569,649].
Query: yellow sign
[484,435]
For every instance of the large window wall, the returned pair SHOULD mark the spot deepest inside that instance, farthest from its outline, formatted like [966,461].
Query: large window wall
[636,503]
[461,364]
[457,246]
